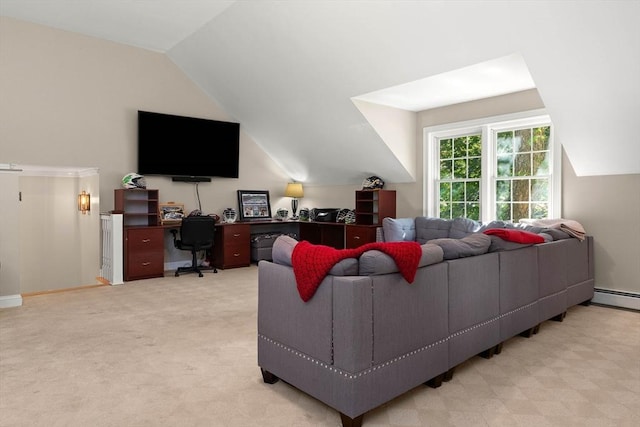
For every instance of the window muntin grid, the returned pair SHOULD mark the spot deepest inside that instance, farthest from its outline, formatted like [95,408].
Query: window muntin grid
[460,171]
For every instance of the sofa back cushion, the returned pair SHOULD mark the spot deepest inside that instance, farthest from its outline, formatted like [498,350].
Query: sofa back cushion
[399,229]
[377,262]
[463,227]
[473,244]
[283,248]
[431,228]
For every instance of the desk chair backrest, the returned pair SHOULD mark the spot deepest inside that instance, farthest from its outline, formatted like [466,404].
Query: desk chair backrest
[197,232]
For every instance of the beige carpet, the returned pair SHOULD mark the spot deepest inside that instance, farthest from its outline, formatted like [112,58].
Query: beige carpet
[182,352]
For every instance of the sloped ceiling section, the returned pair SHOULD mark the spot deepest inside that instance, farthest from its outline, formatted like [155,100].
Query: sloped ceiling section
[288,70]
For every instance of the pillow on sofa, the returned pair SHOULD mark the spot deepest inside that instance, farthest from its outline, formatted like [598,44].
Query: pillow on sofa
[474,244]
[399,229]
[377,262]
[518,236]
[431,228]
[283,248]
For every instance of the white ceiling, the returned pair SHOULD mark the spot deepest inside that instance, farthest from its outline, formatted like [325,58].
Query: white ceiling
[288,70]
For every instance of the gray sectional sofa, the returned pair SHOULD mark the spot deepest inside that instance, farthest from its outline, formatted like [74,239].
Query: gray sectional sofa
[367,336]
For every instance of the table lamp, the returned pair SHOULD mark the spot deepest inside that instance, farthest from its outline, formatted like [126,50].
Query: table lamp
[294,190]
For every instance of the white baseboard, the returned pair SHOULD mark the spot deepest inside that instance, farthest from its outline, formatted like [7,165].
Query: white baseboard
[8,301]
[617,298]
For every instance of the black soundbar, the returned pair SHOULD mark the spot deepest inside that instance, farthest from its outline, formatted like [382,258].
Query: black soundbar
[190,179]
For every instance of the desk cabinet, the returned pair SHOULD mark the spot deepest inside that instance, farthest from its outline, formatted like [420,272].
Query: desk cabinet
[143,252]
[323,233]
[232,246]
[358,235]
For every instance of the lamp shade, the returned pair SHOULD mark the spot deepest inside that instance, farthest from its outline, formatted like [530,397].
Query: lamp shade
[294,189]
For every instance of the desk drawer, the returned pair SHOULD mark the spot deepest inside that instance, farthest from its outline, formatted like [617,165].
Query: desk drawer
[145,240]
[236,256]
[358,235]
[143,253]
[232,246]
[145,265]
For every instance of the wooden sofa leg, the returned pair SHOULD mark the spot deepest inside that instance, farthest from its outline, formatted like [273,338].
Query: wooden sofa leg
[498,349]
[536,329]
[351,422]
[488,353]
[560,317]
[528,333]
[268,377]
[436,381]
[448,376]
[586,303]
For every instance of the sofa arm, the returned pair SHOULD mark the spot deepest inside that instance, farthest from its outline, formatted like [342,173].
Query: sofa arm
[352,323]
[286,319]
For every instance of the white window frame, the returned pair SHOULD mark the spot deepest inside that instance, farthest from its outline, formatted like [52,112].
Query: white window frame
[488,128]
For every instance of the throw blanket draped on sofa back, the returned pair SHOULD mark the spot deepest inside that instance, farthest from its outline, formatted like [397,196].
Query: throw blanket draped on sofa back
[311,263]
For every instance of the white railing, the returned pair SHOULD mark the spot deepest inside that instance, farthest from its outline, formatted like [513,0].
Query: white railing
[112,260]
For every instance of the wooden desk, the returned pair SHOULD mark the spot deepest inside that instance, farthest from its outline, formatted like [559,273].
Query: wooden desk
[232,247]
[233,241]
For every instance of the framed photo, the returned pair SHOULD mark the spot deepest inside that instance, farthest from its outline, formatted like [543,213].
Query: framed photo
[171,213]
[254,204]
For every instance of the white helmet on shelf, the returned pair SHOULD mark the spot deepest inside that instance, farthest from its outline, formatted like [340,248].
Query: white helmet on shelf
[133,180]
[372,183]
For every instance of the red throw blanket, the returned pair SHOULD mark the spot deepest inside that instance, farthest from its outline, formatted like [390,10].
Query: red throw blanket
[311,263]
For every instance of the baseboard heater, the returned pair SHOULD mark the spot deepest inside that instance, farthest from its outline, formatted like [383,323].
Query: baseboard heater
[617,298]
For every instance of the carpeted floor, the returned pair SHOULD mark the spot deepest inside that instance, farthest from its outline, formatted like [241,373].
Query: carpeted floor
[182,352]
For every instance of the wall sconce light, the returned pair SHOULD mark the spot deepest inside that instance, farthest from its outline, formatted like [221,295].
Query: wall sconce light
[294,190]
[84,202]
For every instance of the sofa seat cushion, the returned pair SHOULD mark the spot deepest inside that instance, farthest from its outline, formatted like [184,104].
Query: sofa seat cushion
[399,229]
[376,262]
[474,244]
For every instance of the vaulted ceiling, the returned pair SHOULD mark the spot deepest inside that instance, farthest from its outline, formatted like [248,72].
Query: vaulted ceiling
[291,71]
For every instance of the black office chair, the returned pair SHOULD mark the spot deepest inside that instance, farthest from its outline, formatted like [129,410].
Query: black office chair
[196,234]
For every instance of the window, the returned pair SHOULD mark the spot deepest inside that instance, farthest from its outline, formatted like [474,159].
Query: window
[505,168]
[460,173]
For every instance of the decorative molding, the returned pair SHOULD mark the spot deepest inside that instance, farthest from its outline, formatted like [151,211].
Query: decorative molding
[67,172]
[8,301]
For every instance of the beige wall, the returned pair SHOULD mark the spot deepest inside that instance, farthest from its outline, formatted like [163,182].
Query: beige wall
[609,209]
[71,100]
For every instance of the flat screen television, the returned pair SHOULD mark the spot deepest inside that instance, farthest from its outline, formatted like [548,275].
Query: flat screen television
[187,147]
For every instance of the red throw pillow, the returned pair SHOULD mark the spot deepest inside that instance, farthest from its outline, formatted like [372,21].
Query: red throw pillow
[518,236]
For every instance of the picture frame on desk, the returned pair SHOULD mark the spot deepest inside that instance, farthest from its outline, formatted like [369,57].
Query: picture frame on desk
[254,205]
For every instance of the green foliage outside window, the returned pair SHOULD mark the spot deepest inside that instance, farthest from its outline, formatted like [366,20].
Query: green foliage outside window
[522,190]
[460,173]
